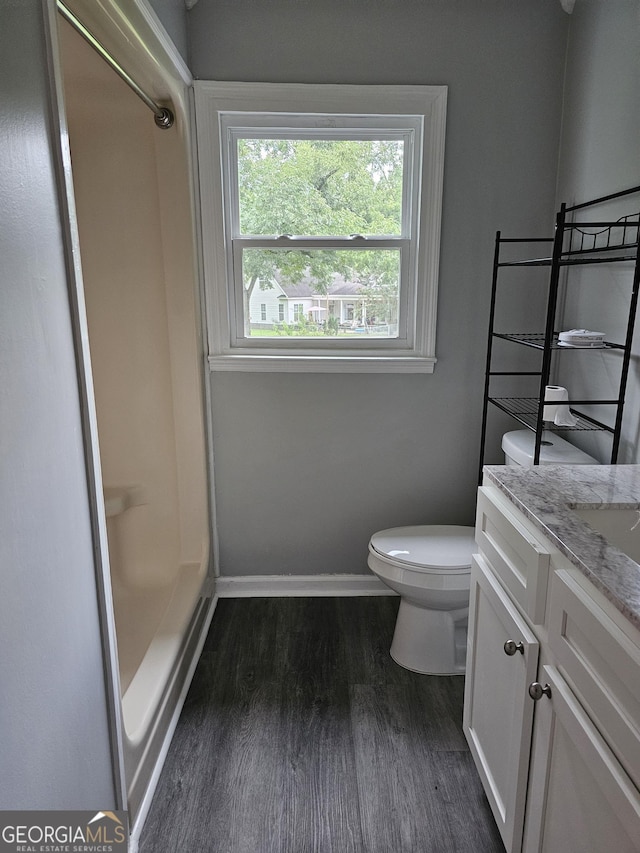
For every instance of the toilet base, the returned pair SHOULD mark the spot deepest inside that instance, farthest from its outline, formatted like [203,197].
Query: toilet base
[431,642]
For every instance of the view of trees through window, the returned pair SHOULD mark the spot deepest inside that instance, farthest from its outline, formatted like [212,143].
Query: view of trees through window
[321,188]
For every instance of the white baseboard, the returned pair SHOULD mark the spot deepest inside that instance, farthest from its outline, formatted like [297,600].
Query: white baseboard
[272,586]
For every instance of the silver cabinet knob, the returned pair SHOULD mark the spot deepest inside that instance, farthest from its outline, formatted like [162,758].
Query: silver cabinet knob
[537,691]
[511,647]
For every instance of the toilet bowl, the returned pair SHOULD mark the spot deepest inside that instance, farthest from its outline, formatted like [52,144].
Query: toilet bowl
[518,446]
[429,566]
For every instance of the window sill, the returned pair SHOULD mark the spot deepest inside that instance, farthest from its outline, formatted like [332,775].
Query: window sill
[321,364]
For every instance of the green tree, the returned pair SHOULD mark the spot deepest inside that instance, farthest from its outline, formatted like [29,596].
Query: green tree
[315,188]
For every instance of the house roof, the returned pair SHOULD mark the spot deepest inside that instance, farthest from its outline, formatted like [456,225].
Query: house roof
[303,289]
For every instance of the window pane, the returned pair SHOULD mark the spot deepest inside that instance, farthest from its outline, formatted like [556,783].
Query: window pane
[320,292]
[319,187]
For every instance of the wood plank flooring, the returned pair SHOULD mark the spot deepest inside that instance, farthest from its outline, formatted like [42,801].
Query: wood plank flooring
[301,735]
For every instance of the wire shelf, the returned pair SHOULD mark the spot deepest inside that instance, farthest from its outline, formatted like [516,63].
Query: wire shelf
[576,257]
[537,341]
[525,410]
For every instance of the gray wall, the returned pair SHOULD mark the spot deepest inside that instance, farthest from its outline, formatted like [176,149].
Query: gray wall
[600,154]
[55,747]
[308,466]
[173,17]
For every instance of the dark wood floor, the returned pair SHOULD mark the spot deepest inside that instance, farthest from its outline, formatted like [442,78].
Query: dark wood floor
[301,735]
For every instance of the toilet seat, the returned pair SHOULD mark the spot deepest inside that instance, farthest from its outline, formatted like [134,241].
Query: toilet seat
[428,549]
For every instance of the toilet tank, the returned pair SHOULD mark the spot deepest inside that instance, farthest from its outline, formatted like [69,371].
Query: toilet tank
[518,448]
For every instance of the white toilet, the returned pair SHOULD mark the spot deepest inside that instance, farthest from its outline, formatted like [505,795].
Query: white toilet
[518,448]
[430,567]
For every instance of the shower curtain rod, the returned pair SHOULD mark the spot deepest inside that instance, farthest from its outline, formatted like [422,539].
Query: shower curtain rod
[163,116]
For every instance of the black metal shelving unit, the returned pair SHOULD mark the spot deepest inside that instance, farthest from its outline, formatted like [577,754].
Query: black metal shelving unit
[574,244]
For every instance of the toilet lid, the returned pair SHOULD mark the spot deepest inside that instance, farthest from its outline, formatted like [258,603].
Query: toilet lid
[446,547]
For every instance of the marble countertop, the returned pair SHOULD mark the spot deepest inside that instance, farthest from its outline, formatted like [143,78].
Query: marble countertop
[546,494]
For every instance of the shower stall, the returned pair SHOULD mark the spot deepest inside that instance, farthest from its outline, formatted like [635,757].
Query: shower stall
[135,227]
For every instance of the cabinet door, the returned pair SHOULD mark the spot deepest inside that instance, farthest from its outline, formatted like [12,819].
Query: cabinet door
[498,713]
[580,798]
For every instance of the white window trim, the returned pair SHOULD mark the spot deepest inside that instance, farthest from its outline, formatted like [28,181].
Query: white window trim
[214,98]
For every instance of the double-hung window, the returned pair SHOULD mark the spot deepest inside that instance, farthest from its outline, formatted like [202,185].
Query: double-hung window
[325,202]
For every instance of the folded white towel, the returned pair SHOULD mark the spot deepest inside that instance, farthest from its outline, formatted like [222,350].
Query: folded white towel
[581,338]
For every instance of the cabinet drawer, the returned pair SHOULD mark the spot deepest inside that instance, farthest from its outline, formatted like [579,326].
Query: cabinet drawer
[518,557]
[601,662]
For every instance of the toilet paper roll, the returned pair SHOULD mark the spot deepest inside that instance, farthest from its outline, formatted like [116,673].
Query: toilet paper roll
[553,394]
[556,407]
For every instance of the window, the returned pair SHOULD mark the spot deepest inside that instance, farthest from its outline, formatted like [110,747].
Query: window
[329,198]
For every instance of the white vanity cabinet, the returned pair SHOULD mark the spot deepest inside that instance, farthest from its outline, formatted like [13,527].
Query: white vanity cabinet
[552,694]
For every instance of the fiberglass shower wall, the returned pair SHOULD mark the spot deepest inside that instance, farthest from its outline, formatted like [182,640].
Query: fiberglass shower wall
[131,185]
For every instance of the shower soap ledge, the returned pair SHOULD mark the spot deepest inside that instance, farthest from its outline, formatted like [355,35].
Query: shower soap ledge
[118,499]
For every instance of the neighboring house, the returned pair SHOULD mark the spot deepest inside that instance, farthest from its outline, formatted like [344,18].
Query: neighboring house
[280,302]
[268,305]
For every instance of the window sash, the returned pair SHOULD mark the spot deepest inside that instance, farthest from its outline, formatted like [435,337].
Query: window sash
[406,296]
[298,129]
